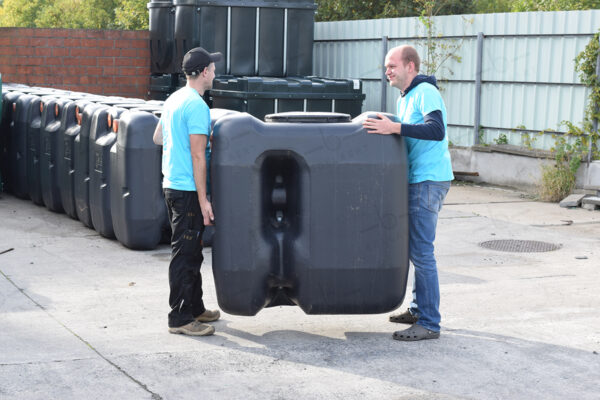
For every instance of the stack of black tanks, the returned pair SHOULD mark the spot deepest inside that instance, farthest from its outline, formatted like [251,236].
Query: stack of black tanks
[90,157]
[268,55]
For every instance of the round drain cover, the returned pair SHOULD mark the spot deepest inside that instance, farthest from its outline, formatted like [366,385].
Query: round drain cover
[520,246]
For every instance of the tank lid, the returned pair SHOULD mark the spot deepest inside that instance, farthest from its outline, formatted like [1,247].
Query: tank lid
[308,117]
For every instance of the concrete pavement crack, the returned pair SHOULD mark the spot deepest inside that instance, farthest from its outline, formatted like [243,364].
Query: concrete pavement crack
[155,396]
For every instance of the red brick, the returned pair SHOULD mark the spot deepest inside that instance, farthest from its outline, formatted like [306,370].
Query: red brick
[86,52]
[17,60]
[110,71]
[127,53]
[89,42]
[39,42]
[42,70]
[42,51]
[94,71]
[60,52]
[71,79]
[8,69]
[131,62]
[25,51]
[144,53]
[103,80]
[53,79]
[26,70]
[20,41]
[123,80]
[8,50]
[114,34]
[55,42]
[83,61]
[70,43]
[76,33]
[50,33]
[5,40]
[29,32]
[53,60]
[36,79]
[93,33]
[94,88]
[106,43]
[128,71]
[139,44]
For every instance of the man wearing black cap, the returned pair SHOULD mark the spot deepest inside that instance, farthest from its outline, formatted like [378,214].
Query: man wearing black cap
[183,131]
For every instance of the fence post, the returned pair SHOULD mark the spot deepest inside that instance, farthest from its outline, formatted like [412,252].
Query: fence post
[595,121]
[478,87]
[384,85]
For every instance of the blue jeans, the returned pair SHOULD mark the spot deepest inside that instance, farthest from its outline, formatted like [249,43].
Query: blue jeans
[424,203]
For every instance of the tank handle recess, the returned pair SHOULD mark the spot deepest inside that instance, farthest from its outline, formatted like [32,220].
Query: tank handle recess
[308,117]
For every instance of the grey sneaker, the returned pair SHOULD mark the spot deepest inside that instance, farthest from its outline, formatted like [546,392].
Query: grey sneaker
[414,333]
[208,316]
[404,318]
[194,328]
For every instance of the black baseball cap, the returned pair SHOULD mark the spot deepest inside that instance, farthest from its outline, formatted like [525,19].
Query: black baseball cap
[197,59]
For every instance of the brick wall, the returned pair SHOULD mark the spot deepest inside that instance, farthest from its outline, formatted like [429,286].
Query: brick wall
[94,61]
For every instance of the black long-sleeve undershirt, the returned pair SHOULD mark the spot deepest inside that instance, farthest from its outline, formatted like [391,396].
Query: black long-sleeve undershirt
[431,129]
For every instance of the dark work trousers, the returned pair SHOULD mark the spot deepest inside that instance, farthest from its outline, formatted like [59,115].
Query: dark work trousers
[185,280]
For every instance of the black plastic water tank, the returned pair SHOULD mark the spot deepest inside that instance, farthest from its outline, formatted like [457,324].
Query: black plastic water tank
[260,96]
[9,98]
[81,164]
[34,148]
[139,213]
[103,135]
[200,23]
[69,130]
[256,37]
[50,143]
[312,214]
[162,37]
[19,148]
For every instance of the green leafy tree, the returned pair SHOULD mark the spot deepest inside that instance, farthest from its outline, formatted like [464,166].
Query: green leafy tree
[499,6]
[19,13]
[340,10]
[84,14]
[131,14]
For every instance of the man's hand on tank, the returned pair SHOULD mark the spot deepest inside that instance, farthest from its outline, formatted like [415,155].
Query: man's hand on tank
[381,125]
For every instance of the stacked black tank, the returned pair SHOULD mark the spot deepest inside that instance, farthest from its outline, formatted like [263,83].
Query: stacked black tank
[268,55]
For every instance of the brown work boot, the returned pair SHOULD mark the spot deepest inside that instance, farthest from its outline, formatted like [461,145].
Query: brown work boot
[208,316]
[404,318]
[194,328]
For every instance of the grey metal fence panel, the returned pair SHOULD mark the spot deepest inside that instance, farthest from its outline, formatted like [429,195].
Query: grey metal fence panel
[528,69]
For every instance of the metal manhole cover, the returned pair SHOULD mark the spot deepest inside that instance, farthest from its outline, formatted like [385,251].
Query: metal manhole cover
[520,246]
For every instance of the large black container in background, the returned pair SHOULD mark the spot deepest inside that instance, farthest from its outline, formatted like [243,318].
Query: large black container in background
[50,143]
[69,130]
[313,214]
[161,86]
[102,136]
[18,146]
[268,38]
[81,164]
[162,36]
[9,97]
[34,148]
[260,96]
[139,213]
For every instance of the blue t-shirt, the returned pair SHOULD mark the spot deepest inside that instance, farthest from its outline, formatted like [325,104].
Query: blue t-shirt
[429,160]
[184,113]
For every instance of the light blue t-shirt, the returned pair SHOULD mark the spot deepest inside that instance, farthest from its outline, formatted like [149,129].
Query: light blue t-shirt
[184,113]
[429,160]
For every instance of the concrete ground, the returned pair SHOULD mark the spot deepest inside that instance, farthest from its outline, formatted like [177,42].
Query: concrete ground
[82,317]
